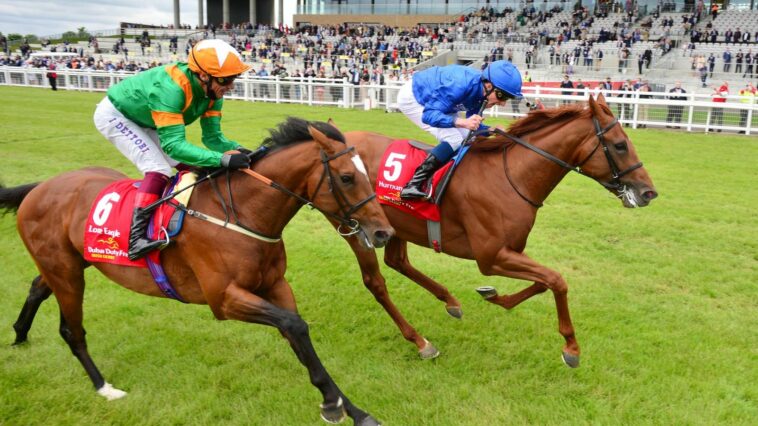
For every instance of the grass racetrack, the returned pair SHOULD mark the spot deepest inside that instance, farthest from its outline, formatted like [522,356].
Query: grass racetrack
[663,300]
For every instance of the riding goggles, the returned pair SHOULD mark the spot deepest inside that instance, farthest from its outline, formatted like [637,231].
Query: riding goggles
[225,81]
[502,95]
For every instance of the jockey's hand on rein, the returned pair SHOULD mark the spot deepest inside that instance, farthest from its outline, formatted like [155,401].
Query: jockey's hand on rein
[245,151]
[235,161]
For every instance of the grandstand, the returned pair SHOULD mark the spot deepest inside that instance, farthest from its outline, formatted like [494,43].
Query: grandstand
[361,42]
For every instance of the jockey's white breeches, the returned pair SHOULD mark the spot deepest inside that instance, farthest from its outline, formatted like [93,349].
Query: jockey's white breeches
[409,106]
[140,145]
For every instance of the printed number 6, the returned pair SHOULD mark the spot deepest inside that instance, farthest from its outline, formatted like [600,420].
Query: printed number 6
[393,161]
[104,207]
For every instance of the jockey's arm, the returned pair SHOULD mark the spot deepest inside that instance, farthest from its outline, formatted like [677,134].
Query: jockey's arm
[174,143]
[213,138]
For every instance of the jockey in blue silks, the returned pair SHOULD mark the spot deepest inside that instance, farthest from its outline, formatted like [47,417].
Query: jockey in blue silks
[435,96]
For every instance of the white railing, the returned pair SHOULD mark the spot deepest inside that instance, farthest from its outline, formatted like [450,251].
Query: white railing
[697,113]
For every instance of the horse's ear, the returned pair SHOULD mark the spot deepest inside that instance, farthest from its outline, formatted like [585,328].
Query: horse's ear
[601,99]
[321,139]
[332,123]
[595,105]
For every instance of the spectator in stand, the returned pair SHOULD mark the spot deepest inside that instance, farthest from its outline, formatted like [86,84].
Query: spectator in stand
[566,84]
[537,105]
[738,58]
[644,90]
[749,61]
[580,87]
[264,87]
[727,57]
[703,70]
[675,111]
[51,75]
[718,96]
[626,106]
[747,97]
[711,64]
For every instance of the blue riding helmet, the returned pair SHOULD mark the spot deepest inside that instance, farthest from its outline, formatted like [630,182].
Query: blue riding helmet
[504,76]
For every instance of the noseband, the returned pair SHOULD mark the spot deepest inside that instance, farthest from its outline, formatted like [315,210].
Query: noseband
[346,209]
[616,175]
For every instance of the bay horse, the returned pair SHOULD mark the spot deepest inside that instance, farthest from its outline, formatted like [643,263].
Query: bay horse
[491,204]
[238,277]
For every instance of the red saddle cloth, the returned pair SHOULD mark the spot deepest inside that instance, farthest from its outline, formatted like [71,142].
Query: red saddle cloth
[396,169]
[106,233]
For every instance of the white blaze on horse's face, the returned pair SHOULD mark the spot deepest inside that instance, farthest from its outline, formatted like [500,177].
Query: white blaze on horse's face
[359,164]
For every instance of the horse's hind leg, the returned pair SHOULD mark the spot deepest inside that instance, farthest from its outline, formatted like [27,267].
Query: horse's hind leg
[67,283]
[396,257]
[513,264]
[512,300]
[243,305]
[38,293]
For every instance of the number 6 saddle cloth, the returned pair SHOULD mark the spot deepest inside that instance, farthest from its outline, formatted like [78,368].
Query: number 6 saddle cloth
[399,162]
[106,232]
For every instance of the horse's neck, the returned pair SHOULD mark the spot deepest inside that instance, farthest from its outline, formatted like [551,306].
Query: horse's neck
[534,174]
[263,207]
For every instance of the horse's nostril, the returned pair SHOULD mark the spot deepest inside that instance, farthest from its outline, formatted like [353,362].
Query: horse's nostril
[381,236]
[649,195]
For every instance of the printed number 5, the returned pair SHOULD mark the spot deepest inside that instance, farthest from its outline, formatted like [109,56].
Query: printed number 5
[103,209]
[394,162]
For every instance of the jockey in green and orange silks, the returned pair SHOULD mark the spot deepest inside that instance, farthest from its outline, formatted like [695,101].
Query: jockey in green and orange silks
[145,117]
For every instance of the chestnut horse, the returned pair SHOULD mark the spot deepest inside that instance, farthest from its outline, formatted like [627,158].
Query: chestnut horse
[491,204]
[239,277]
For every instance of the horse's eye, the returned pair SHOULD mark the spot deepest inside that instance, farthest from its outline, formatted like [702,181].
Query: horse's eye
[347,179]
[620,147]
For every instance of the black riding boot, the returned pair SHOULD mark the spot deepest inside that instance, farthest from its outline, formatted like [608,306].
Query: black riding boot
[139,244]
[414,188]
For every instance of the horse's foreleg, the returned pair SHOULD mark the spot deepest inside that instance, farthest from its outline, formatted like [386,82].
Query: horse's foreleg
[243,305]
[396,257]
[374,282]
[38,293]
[518,265]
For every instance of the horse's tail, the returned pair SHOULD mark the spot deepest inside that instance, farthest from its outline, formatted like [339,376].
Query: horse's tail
[11,198]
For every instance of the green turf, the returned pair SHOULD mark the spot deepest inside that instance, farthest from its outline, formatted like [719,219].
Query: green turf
[663,301]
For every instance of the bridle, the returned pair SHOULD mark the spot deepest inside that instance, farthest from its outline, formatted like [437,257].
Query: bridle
[615,183]
[346,210]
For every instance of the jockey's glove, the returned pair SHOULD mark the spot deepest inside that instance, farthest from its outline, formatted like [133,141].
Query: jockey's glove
[235,161]
[245,151]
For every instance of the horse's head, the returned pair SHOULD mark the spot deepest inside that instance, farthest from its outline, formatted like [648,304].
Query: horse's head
[343,190]
[610,158]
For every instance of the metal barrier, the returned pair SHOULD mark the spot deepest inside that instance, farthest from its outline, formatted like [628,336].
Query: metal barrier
[653,109]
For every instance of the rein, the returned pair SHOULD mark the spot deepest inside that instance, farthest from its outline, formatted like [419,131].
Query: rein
[616,175]
[346,209]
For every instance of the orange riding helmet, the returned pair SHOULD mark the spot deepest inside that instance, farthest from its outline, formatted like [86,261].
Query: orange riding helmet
[216,58]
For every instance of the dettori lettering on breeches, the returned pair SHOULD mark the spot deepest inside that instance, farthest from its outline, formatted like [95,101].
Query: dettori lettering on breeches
[124,129]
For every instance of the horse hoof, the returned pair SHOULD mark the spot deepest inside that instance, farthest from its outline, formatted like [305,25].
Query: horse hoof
[333,413]
[454,311]
[570,360]
[110,393]
[487,292]
[369,421]
[428,351]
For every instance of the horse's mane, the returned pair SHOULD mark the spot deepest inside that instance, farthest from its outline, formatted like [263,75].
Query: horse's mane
[537,120]
[295,130]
